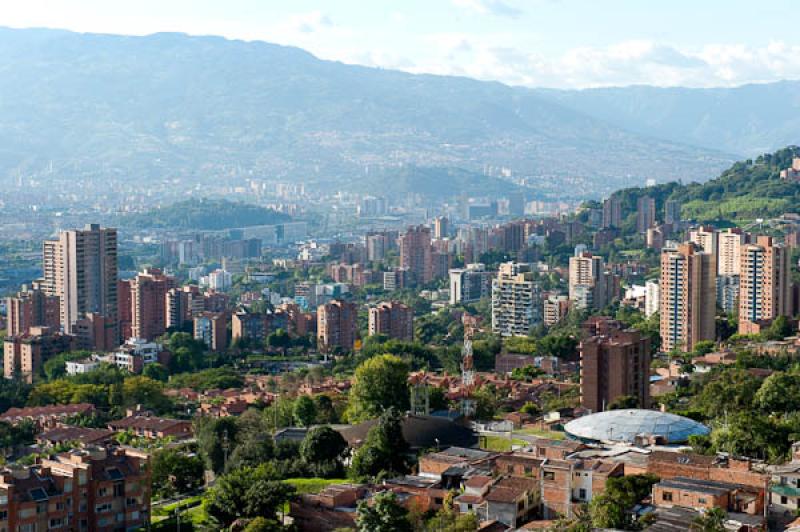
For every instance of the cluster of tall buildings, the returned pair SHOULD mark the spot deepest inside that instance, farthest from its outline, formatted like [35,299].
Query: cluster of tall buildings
[729,269]
[591,286]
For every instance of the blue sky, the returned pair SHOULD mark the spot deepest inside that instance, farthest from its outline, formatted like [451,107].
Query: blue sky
[552,43]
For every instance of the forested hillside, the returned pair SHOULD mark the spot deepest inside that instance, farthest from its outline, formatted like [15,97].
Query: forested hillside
[748,190]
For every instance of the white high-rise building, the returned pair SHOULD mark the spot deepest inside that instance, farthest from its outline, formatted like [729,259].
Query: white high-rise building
[730,243]
[652,297]
[469,284]
[516,300]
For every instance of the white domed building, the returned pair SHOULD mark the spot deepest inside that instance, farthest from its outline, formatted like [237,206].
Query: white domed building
[634,426]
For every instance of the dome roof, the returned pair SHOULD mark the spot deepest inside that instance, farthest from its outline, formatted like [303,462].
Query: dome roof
[625,425]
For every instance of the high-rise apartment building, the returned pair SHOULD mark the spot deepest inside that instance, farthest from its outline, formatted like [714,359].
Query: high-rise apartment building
[672,212]
[80,268]
[652,297]
[645,213]
[182,305]
[23,355]
[612,212]
[764,292]
[441,227]
[212,329]
[516,300]
[392,319]
[125,308]
[590,286]
[729,245]
[728,293]
[149,304]
[415,253]
[688,302]
[32,308]
[612,366]
[336,326]
[707,238]
[470,284]
[99,488]
[555,309]
[250,327]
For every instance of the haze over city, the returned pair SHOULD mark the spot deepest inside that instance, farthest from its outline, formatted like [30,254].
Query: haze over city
[452,266]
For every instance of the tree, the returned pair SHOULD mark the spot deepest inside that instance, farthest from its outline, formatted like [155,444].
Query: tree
[610,509]
[146,392]
[246,493]
[279,339]
[385,450]
[779,329]
[531,409]
[305,411]
[780,392]
[385,515]
[175,472]
[326,410]
[324,450]
[379,383]
[712,520]
[485,403]
[704,347]
[260,524]
[448,520]
[624,401]
[215,438]
[156,371]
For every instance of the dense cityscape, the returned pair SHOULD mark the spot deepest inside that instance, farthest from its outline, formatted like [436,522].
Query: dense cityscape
[454,266]
[488,367]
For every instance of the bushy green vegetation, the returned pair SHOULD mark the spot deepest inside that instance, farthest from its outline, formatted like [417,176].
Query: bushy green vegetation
[206,214]
[747,190]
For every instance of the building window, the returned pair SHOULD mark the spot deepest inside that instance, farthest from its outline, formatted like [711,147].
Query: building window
[582,494]
[549,475]
[119,489]
[666,496]
[701,501]
[784,499]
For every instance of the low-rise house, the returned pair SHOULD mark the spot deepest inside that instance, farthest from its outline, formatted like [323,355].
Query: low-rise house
[152,427]
[46,416]
[83,436]
[707,494]
[512,500]
[434,465]
[418,493]
[84,365]
[332,508]
[784,489]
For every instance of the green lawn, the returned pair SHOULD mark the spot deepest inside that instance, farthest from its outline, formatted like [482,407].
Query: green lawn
[313,485]
[542,433]
[499,443]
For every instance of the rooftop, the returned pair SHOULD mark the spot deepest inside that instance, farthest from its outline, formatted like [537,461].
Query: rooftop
[626,425]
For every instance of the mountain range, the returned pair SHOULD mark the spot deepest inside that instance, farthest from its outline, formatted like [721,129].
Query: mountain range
[209,110]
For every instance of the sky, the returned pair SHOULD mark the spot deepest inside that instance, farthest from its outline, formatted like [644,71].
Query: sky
[535,43]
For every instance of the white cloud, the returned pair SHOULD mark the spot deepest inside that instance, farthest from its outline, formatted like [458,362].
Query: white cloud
[499,8]
[622,63]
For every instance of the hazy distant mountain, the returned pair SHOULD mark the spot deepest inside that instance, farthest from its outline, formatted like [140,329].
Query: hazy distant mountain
[749,120]
[209,110]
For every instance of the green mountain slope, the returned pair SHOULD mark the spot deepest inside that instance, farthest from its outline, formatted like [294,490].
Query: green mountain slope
[748,190]
[205,214]
[115,109]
